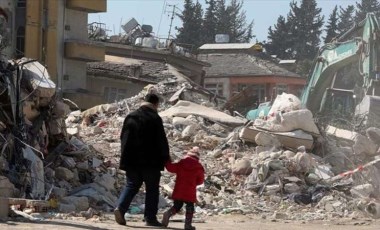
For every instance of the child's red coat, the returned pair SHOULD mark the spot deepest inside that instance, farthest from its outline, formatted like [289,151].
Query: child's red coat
[190,173]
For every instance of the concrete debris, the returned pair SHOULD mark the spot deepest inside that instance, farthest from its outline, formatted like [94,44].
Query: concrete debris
[186,108]
[242,167]
[271,166]
[62,173]
[80,203]
[363,191]
[363,145]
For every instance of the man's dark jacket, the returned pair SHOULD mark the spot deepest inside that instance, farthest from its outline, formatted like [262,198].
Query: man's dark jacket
[143,141]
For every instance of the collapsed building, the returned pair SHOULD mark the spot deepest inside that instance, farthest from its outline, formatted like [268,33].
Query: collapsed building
[68,160]
[53,158]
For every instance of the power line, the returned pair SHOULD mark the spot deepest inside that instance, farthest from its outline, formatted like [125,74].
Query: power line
[162,13]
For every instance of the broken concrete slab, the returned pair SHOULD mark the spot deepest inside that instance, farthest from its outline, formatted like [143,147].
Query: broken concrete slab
[267,140]
[186,108]
[291,140]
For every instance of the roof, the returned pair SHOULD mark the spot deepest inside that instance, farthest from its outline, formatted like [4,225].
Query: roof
[226,46]
[147,71]
[242,64]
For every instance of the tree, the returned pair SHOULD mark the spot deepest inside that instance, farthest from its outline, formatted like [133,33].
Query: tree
[305,23]
[223,24]
[366,6]
[231,20]
[239,31]
[279,39]
[332,26]
[198,23]
[346,18]
[210,23]
[191,16]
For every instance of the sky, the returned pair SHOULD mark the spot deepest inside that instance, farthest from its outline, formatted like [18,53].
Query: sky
[157,13]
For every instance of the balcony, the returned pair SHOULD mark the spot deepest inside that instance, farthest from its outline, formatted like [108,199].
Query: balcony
[84,51]
[90,6]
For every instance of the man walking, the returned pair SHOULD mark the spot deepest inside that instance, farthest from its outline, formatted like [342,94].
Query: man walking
[144,152]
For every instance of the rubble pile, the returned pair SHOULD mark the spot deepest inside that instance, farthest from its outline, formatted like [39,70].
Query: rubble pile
[276,176]
[279,167]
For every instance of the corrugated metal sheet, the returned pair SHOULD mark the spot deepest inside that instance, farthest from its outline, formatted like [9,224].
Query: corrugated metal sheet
[226,46]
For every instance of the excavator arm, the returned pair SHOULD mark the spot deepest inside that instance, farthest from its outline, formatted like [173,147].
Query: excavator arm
[332,58]
[345,72]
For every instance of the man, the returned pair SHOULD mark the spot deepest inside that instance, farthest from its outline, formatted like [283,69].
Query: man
[144,152]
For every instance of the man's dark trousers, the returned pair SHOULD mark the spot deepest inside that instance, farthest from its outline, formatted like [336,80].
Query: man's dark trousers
[135,178]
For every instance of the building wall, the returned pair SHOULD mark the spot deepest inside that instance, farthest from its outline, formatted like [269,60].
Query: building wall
[265,84]
[273,84]
[75,77]
[50,24]
[96,89]
[97,85]
[222,82]
[76,24]
[75,28]
[9,7]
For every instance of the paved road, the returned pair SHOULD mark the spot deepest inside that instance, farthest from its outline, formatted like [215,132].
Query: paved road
[219,223]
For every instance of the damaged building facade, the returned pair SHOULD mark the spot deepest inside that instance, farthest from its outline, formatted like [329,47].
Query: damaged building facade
[55,34]
[237,66]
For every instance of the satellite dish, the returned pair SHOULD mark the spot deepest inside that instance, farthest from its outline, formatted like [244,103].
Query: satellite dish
[222,38]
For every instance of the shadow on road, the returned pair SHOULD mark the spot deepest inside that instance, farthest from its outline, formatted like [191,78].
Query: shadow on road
[149,227]
[66,224]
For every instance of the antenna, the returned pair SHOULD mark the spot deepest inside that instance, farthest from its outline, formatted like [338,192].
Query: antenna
[171,19]
[121,21]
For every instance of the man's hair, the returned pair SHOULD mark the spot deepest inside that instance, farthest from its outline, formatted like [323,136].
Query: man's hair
[152,98]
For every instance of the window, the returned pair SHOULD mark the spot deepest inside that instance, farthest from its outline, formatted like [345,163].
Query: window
[21,3]
[258,90]
[114,94]
[281,88]
[241,87]
[20,42]
[216,88]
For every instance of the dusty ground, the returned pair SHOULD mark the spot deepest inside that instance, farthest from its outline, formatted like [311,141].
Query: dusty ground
[221,222]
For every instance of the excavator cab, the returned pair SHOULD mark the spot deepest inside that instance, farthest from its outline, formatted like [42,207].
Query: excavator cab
[338,102]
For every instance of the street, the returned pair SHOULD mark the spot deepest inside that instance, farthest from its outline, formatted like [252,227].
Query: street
[221,222]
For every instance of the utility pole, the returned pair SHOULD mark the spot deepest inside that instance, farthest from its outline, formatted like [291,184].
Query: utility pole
[171,20]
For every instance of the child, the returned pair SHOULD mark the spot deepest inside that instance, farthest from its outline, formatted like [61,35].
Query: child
[190,173]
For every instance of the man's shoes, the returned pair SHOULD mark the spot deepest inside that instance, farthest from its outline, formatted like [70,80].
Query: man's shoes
[165,218]
[119,216]
[153,223]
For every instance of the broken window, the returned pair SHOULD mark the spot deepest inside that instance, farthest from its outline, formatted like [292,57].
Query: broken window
[21,3]
[258,90]
[114,94]
[281,88]
[20,42]
[216,88]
